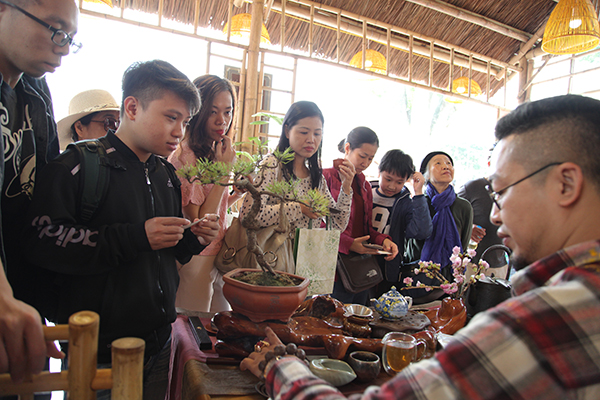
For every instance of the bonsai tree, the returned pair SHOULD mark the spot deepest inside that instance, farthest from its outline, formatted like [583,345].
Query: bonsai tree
[247,173]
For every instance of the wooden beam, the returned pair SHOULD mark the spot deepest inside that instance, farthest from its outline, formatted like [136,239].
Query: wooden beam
[474,18]
[268,12]
[479,64]
[251,90]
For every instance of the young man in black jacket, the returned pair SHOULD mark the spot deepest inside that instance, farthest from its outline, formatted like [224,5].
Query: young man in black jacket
[122,262]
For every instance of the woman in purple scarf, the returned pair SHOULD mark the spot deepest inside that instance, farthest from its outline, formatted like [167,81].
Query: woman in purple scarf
[451,216]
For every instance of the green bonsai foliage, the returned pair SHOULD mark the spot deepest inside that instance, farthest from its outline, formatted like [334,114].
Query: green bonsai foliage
[247,173]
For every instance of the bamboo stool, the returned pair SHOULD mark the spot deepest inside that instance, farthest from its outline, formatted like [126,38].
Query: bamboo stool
[83,379]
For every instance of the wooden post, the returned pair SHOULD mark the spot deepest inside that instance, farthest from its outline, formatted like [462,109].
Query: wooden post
[83,354]
[127,368]
[251,89]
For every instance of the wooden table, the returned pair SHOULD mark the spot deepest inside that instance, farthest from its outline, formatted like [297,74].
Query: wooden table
[192,378]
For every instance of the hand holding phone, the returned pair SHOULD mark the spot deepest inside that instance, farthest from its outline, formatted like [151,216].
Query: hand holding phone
[372,246]
[377,247]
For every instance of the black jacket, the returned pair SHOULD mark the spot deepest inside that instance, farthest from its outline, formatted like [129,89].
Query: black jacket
[107,266]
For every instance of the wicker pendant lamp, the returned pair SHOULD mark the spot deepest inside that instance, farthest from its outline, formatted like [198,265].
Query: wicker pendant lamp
[572,28]
[240,27]
[374,61]
[461,86]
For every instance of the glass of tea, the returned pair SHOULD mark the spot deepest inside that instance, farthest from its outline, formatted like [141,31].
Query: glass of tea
[399,350]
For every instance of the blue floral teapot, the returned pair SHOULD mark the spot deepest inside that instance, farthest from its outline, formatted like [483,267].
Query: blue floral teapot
[392,305]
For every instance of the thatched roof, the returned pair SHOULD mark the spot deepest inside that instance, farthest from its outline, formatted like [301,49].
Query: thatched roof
[526,16]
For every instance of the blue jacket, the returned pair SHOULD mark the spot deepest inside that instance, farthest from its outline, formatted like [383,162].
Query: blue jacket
[410,219]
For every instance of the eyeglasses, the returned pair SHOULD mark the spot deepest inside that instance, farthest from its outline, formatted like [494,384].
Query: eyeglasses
[109,123]
[495,196]
[59,37]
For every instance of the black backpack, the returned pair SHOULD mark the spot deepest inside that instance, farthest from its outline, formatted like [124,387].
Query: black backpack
[96,171]
[95,167]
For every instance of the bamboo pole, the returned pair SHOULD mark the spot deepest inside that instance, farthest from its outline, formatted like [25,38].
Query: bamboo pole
[411,42]
[127,368]
[470,74]
[229,17]
[524,50]
[45,381]
[474,18]
[337,38]
[488,83]
[282,24]
[431,48]
[161,4]
[208,53]
[261,81]
[311,31]
[83,354]
[396,41]
[364,45]
[251,90]
[451,70]
[268,12]
[294,80]
[387,51]
[196,15]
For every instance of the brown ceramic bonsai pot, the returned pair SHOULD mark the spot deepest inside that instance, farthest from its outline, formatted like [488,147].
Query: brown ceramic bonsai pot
[260,303]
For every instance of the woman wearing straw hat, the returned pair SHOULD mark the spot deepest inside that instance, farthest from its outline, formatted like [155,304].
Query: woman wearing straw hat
[91,114]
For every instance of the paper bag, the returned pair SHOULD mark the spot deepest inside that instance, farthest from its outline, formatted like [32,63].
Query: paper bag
[315,252]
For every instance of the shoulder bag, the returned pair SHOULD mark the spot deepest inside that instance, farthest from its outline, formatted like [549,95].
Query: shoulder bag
[277,246]
[358,272]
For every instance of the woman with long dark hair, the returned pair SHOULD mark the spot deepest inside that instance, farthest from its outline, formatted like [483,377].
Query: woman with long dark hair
[200,286]
[302,131]
[359,149]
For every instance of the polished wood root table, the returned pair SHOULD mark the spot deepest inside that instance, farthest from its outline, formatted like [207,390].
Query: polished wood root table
[202,375]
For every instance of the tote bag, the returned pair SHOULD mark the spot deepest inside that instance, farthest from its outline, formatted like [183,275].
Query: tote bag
[315,253]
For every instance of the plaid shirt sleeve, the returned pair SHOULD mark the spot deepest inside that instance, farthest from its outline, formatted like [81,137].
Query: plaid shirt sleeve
[543,344]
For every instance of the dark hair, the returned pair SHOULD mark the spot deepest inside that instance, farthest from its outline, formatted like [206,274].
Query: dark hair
[556,129]
[208,86]
[398,163]
[357,137]
[297,111]
[85,121]
[147,81]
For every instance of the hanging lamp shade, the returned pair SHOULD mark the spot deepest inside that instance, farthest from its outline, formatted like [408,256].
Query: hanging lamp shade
[572,28]
[374,61]
[240,27]
[461,86]
[107,2]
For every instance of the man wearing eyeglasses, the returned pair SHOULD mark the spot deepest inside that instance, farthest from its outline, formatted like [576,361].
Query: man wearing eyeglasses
[34,36]
[544,342]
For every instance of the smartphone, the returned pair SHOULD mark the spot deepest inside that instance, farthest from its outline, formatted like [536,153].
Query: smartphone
[337,162]
[372,246]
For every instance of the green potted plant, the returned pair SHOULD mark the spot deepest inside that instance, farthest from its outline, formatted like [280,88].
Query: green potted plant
[265,293]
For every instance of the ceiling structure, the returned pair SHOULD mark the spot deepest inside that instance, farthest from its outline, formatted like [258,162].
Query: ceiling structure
[427,43]
[496,32]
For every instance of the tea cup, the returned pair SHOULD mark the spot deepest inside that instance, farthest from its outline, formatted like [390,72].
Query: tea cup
[365,364]
[399,350]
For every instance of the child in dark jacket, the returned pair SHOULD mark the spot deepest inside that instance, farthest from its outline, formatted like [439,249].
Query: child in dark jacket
[397,214]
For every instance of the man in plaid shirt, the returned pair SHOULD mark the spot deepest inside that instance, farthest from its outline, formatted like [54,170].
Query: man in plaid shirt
[544,343]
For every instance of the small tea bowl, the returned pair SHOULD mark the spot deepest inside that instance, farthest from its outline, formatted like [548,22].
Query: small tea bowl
[336,372]
[366,365]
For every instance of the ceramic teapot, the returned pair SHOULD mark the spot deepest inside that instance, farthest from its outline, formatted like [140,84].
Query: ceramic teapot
[392,305]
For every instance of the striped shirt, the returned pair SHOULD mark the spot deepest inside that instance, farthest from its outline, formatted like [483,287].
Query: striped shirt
[544,343]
